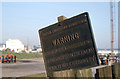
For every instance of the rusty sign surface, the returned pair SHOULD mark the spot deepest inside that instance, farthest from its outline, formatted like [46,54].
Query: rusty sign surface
[69,44]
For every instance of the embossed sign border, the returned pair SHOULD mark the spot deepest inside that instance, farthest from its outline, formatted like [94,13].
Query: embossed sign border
[69,44]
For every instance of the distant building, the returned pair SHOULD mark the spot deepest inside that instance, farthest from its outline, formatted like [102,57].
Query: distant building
[39,50]
[2,47]
[28,49]
[33,49]
[15,45]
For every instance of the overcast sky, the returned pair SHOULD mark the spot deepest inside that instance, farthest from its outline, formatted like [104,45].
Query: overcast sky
[22,20]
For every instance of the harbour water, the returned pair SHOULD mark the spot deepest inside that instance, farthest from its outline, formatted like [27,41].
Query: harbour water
[107,51]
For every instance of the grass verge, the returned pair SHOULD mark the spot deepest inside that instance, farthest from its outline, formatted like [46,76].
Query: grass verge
[24,55]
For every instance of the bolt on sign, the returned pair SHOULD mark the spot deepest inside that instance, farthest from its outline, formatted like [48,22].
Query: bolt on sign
[69,44]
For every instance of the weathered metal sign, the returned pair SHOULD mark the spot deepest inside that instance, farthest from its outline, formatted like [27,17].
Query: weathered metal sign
[69,44]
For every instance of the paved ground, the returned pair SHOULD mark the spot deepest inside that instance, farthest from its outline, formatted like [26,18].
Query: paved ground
[23,68]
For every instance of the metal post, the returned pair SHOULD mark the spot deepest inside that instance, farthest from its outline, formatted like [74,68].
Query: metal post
[111,9]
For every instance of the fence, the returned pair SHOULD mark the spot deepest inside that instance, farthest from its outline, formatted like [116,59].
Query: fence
[111,72]
[10,58]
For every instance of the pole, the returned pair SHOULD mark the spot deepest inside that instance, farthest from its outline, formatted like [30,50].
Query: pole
[111,12]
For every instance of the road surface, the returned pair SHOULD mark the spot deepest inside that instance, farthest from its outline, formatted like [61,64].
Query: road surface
[23,67]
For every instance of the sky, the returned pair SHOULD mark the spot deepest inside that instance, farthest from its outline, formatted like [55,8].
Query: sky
[22,20]
[119,26]
[0,22]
